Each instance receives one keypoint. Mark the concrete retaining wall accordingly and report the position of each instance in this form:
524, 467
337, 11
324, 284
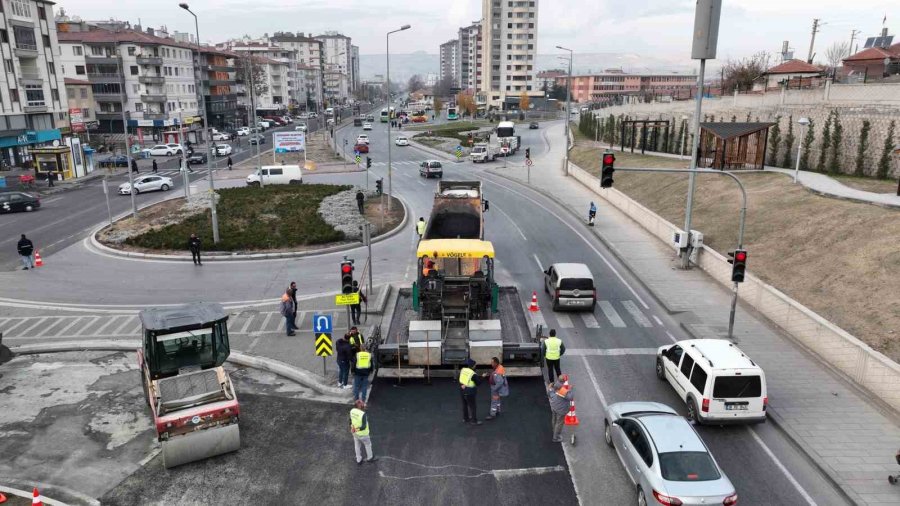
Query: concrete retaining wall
868, 368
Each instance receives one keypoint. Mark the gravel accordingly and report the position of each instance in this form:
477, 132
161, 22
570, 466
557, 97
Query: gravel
341, 212
121, 231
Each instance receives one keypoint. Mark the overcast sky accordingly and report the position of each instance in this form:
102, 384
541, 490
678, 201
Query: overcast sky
658, 27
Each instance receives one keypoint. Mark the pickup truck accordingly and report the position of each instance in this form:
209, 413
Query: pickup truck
483, 152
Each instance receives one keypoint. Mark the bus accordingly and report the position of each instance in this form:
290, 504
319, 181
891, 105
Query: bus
452, 114
385, 116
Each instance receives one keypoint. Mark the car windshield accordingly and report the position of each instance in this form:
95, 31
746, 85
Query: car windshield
688, 466
737, 386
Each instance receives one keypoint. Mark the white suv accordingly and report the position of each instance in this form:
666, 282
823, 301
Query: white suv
363, 139
715, 379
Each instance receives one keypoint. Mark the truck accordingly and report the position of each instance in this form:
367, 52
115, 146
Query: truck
455, 309
191, 397
483, 152
505, 139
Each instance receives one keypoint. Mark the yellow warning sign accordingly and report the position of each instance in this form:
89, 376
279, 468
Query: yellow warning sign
346, 299
323, 345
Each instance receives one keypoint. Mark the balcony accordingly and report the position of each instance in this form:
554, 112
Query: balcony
101, 59
30, 75
107, 97
23, 50
218, 82
151, 79
149, 60
36, 107
221, 68
153, 97
154, 115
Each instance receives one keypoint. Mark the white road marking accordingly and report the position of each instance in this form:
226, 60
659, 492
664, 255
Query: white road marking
247, 323
589, 321
658, 321
266, 322
610, 312
609, 352
40, 321
301, 316
56, 319
564, 321
594, 382
10, 329
121, 327
538, 260
636, 313
457, 471
513, 224
787, 474
107, 324
86, 327
75, 319
671, 337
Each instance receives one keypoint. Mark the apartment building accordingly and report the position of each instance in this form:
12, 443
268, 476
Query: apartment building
607, 86
509, 42
470, 54
339, 66
32, 94
450, 61
307, 67
80, 99
354, 68
277, 64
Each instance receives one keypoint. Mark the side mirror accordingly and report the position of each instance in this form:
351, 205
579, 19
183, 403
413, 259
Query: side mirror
547, 272
616, 423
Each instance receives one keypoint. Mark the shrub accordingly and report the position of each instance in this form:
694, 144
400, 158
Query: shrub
884, 163
808, 140
837, 132
826, 143
860, 169
787, 160
774, 141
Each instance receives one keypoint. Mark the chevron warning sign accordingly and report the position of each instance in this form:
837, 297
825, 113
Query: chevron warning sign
324, 347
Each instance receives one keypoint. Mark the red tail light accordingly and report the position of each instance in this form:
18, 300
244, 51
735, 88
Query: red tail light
664, 499
594, 294
730, 500
557, 293
705, 407
765, 403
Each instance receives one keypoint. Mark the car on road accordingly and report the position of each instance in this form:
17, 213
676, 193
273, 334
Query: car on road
419, 119
165, 150
264, 125
357, 122
664, 456
243, 131
313, 115
571, 286
276, 174
300, 128
533, 125
257, 139
362, 139
114, 161
401, 141
716, 380
197, 159
223, 150
146, 184
367, 126
431, 168
12, 202
220, 136
361, 148
370, 119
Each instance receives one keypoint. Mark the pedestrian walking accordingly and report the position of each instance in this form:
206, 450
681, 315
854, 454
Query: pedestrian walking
359, 427
356, 309
194, 245
561, 398
468, 385
26, 252
361, 370
293, 291
134, 167
155, 167
50, 177
344, 357
592, 213
287, 311
360, 198
420, 227
229, 162
553, 348
499, 386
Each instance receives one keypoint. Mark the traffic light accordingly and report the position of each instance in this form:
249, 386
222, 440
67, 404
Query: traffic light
347, 276
368, 163
528, 153
739, 264
379, 185
606, 177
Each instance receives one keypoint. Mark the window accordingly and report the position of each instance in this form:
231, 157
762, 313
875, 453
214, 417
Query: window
134, 70
4, 35
139, 107
737, 386
20, 8
276, 172
698, 379
79, 69
41, 12
96, 50
54, 94
24, 37
686, 366
70, 93
131, 50
84, 93
136, 88
84, 110
52, 67
8, 64
77, 50
34, 95
13, 95
46, 40
687, 466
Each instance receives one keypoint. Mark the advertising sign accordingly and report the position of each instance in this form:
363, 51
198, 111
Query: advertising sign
76, 119
289, 142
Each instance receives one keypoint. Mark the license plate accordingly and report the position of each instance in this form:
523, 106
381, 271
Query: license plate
736, 407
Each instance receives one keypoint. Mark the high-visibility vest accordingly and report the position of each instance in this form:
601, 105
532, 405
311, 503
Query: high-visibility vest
420, 227
563, 392
357, 340
363, 360
553, 345
465, 377
356, 420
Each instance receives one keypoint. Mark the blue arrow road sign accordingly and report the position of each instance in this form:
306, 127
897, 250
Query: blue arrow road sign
356, 153
321, 323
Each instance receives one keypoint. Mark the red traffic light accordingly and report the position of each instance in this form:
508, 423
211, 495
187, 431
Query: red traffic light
740, 256
608, 159
346, 268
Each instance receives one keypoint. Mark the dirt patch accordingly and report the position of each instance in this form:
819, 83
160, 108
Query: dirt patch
392, 216
589, 157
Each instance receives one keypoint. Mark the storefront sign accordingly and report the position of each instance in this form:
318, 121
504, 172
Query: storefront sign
76, 119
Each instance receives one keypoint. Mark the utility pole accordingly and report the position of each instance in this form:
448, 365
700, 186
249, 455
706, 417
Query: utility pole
853, 34
812, 42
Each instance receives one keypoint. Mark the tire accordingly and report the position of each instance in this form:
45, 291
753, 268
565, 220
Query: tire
29, 208
660, 370
607, 434
293, 181
164, 187
136, 191
641, 498
254, 184
693, 416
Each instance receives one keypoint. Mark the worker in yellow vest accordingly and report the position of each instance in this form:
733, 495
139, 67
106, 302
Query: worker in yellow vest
359, 427
361, 371
553, 348
420, 227
468, 385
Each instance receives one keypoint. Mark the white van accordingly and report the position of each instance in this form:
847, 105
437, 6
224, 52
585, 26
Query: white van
571, 286
719, 384
276, 174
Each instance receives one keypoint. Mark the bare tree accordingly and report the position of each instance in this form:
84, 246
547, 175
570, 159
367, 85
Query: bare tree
249, 68
415, 83
443, 87
740, 74
836, 53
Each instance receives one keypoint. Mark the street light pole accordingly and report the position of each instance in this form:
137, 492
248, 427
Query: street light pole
209, 154
387, 39
568, 103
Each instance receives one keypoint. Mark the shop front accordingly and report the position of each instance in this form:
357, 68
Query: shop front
16, 145
54, 162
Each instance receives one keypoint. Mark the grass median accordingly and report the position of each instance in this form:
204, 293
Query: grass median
451, 130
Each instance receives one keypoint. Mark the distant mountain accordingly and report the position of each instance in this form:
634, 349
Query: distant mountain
404, 66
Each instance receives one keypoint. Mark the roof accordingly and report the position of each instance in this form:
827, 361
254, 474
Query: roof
672, 433
876, 53
573, 270
727, 130
722, 354
101, 36
793, 67
455, 248
196, 314
79, 82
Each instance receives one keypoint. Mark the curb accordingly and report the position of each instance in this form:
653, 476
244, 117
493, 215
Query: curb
290, 372
381, 302
432, 151
237, 257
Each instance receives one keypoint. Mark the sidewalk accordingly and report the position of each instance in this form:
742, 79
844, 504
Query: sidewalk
843, 432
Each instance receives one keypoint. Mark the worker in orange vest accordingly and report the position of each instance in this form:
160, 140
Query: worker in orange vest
560, 397
429, 268
499, 386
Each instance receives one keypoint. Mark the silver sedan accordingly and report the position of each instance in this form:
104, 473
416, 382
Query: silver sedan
146, 184
665, 457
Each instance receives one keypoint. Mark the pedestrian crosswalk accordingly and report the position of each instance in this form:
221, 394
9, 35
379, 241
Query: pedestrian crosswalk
608, 316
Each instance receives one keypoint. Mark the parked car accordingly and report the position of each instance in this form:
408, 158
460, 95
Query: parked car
115, 161
717, 382
220, 136
419, 119
571, 286
401, 141
431, 168
361, 148
223, 149
147, 183
274, 121
264, 125
197, 159
243, 131
313, 115
287, 119
664, 456
533, 125
12, 202
165, 150
300, 128
257, 139
276, 174
367, 126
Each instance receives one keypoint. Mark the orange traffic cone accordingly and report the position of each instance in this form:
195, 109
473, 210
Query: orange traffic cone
571, 417
2, 498
36, 500
38, 261
565, 378
533, 306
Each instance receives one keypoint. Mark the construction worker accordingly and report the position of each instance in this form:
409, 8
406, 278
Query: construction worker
420, 227
356, 309
429, 268
553, 348
468, 385
363, 367
359, 427
499, 386
357, 341
561, 397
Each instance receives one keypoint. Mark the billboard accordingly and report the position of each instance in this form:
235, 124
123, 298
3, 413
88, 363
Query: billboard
76, 119
289, 142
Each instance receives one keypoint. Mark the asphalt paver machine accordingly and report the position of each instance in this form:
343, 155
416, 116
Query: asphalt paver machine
193, 402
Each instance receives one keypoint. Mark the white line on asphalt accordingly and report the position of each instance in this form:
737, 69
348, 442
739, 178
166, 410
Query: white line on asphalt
585, 239
609, 352
40, 321
75, 320
636, 314
136, 330
610, 312
301, 316
121, 327
513, 224
590, 321
787, 474
107, 324
2, 321
10, 329
88, 325
658, 321
594, 381
421, 182
564, 321
266, 322
458, 471
47, 328
538, 260
671, 337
